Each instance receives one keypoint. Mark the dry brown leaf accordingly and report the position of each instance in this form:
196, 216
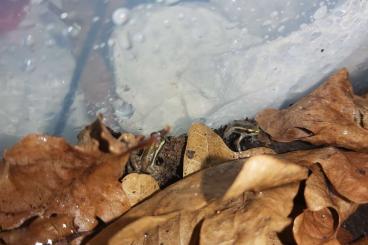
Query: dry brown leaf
315, 228
318, 196
138, 187
263, 172
258, 222
347, 171
344, 236
205, 148
180, 208
62, 188
361, 241
331, 115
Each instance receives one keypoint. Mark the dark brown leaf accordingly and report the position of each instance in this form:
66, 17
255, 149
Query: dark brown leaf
347, 171
331, 115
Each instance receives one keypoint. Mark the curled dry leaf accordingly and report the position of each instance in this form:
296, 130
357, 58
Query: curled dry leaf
205, 148
177, 214
138, 187
318, 196
347, 171
315, 227
331, 115
61, 189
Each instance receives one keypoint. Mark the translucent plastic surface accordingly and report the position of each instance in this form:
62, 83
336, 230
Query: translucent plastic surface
146, 64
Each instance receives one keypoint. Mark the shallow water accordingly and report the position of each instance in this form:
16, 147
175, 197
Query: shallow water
146, 64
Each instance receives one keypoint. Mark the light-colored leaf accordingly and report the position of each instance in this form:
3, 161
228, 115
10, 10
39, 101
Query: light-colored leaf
186, 205
205, 148
138, 187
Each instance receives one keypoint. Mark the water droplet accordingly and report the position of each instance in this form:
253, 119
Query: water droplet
120, 16
111, 42
274, 14
73, 31
28, 65
29, 40
95, 19
64, 15
281, 28
138, 37
166, 23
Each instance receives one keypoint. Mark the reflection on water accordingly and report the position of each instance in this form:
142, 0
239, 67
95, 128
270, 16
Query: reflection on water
144, 64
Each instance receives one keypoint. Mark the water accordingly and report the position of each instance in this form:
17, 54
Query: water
146, 64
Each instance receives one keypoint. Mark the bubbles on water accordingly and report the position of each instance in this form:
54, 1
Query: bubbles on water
120, 16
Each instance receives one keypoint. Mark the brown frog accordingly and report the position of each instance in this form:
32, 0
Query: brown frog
242, 128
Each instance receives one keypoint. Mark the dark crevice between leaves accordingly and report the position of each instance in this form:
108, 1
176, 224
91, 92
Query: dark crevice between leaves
195, 237
307, 131
357, 223
286, 235
329, 185
100, 226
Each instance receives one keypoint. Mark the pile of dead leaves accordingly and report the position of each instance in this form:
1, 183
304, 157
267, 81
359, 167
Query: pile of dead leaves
52, 192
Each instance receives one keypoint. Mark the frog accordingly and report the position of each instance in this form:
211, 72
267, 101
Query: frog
243, 128
144, 161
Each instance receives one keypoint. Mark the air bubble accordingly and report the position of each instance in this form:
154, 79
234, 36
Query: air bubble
120, 16
64, 15
28, 65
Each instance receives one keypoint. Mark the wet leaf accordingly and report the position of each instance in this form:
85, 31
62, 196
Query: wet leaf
205, 148
138, 187
61, 189
347, 171
177, 214
330, 115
